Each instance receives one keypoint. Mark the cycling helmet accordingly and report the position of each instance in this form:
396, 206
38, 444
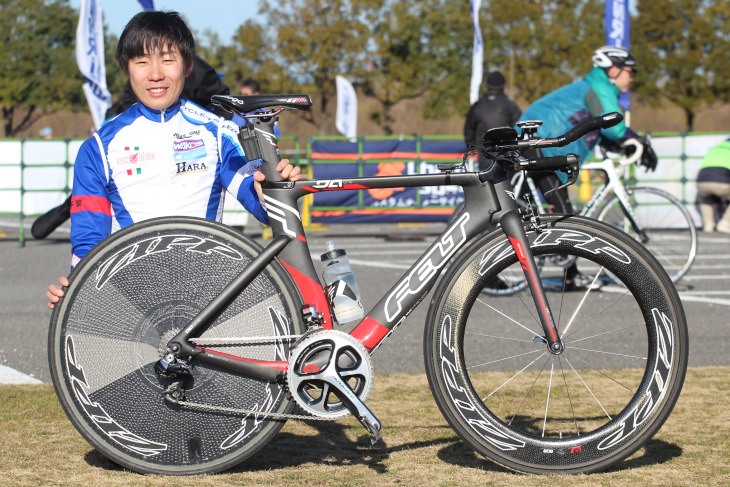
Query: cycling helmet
607, 56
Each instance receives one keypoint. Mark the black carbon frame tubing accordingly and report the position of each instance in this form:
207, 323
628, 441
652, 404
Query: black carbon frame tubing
227, 294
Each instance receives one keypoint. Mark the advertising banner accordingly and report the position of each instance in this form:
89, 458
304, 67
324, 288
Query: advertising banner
345, 159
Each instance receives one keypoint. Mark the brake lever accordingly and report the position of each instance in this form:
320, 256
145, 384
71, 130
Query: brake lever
573, 171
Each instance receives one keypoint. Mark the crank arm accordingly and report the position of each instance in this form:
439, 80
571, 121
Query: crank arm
353, 403
357, 408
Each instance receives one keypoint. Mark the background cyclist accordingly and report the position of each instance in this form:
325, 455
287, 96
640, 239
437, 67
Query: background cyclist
593, 95
164, 155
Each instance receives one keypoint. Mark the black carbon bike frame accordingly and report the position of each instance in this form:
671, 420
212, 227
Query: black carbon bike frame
486, 205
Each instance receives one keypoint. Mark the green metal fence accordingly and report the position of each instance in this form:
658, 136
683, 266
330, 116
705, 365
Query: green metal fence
22, 167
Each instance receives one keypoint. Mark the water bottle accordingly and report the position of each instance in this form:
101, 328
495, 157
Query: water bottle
340, 286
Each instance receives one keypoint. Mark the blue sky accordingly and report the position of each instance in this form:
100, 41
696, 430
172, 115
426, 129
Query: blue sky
223, 16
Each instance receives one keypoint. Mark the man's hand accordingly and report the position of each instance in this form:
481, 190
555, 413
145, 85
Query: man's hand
55, 293
286, 171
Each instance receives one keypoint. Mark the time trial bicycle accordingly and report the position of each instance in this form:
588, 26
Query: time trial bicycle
182, 346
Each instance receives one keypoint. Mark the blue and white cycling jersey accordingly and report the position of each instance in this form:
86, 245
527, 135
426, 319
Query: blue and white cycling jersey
149, 163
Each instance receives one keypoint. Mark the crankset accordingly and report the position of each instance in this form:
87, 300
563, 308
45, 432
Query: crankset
330, 376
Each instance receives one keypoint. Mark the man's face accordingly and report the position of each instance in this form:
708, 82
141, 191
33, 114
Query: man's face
623, 77
246, 90
158, 77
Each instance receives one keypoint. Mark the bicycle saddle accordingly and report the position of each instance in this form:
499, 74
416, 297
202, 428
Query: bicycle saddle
243, 104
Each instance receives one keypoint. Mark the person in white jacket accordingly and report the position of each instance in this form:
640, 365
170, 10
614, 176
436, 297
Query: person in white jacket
164, 155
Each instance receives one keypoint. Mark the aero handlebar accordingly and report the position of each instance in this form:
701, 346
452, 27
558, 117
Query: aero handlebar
595, 123
507, 139
549, 163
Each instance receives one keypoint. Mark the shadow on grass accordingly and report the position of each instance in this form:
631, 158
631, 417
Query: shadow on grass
332, 446
655, 452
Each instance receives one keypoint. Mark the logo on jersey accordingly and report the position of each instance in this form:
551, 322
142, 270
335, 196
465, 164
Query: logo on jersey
186, 150
132, 155
186, 136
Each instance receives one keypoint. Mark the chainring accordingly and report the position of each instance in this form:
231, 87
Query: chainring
321, 363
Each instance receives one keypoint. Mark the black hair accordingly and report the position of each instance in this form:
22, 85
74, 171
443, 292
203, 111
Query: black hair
154, 31
251, 83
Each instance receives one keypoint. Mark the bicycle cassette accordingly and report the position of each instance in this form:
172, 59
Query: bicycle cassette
321, 366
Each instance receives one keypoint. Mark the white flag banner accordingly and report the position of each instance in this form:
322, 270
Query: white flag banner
477, 57
346, 119
90, 59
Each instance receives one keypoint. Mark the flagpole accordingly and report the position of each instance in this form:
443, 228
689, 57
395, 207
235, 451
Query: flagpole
477, 60
90, 59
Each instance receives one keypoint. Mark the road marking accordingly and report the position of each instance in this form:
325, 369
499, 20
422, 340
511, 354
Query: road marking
700, 299
9, 375
691, 277
27, 226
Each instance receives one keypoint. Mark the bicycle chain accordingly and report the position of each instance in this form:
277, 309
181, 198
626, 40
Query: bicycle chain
173, 389
244, 412
240, 341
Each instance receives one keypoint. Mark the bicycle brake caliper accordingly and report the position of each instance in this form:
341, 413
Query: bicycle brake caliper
534, 217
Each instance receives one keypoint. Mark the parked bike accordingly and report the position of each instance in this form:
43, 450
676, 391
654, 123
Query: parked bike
181, 346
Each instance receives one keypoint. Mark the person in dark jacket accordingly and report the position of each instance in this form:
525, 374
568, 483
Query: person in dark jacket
494, 109
199, 87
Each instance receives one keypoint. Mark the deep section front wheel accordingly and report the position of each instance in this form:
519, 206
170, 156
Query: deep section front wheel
581, 409
127, 298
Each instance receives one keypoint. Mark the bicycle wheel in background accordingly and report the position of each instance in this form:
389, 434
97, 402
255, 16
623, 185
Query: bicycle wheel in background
127, 298
671, 232
579, 411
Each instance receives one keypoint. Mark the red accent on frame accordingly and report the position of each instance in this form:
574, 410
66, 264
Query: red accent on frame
312, 293
97, 204
369, 332
522, 257
283, 366
350, 186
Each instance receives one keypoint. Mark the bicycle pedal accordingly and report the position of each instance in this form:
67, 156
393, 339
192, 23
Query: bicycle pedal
373, 429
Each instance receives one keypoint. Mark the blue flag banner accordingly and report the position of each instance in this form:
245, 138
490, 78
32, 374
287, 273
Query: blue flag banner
345, 159
147, 4
90, 59
477, 57
616, 24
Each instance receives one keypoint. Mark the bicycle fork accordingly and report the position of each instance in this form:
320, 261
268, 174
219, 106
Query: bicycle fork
513, 228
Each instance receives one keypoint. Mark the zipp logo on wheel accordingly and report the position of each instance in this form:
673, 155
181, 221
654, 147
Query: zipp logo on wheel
155, 245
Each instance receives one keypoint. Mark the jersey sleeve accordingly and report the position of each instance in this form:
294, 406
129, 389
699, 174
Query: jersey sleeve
600, 100
90, 207
237, 173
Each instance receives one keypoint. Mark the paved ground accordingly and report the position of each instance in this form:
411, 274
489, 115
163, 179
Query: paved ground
380, 254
